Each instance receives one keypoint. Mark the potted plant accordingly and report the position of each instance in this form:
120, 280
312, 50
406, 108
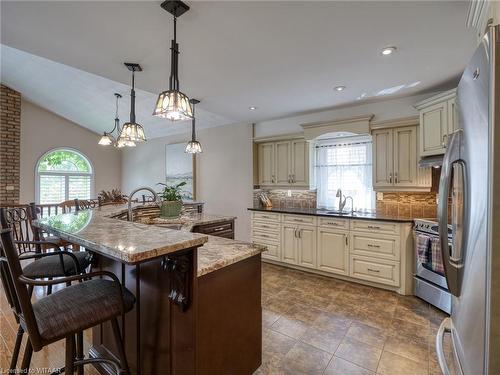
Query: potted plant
171, 205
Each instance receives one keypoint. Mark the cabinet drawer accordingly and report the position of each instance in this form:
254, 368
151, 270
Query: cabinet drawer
265, 226
375, 226
266, 216
379, 246
215, 228
334, 223
263, 236
375, 270
299, 219
273, 250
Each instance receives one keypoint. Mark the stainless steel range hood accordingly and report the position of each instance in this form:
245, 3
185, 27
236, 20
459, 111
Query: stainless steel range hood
431, 161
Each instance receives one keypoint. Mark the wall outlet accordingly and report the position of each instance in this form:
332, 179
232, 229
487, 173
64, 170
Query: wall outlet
380, 196
289, 193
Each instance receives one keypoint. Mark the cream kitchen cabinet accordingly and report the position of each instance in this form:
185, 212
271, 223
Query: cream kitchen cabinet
267, 164
299, 245
437, 120
306, 244
395, 160
289, 243
333, 250
284, 163
374, 252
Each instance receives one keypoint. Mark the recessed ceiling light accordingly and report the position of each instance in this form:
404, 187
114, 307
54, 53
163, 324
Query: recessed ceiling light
252, 108
388, 50
339, 88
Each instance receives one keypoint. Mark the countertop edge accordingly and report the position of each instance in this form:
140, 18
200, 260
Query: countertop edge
319, 214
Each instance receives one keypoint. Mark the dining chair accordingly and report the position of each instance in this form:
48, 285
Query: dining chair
67, 312
68, 206
86, 204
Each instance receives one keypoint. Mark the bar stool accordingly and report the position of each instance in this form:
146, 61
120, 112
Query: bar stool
57, 263
67, 312
27, 240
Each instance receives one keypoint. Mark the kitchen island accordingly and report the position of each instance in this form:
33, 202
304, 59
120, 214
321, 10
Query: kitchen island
198, 308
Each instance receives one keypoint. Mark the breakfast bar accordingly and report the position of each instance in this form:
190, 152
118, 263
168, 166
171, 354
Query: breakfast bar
198, 297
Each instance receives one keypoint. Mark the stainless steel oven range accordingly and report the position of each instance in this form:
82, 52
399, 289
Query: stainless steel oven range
430, 280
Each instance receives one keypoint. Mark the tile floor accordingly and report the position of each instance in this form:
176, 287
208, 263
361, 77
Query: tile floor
315, 325
319, 325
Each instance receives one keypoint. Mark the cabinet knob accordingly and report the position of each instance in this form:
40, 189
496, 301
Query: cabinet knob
372, 270
390, 178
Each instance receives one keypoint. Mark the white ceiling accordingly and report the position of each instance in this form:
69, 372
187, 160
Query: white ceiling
283, 57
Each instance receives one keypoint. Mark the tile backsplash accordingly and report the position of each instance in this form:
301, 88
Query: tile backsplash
412, 205
282, 198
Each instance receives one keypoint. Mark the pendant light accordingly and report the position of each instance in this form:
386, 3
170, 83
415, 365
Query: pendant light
193, 147
108, 138
173, 104
132, 131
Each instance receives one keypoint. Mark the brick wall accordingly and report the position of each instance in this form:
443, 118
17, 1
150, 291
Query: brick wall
10, 144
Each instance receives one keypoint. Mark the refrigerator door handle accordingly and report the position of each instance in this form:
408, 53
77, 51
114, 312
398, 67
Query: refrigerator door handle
445, 327
451, 262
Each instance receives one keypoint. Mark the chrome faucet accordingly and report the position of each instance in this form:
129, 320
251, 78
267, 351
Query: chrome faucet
343, 200
131, 195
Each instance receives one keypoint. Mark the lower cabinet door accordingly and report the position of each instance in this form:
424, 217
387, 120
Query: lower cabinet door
307, 246
273, 251
333, 251
289, 244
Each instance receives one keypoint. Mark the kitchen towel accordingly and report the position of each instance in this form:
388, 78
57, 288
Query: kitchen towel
422, 248
437, 257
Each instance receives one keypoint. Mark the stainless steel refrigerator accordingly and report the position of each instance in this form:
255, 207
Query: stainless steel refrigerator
469, 197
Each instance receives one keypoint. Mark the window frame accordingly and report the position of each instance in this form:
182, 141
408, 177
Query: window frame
65, 174
344, 139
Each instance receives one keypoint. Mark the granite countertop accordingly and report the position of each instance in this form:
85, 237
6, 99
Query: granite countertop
187, 221
220, 252
326, 213
123, 240
135, 242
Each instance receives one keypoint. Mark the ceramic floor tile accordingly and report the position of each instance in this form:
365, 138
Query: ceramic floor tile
359, 353
339, 366
332, 322
323, 339
408, 346
269, 317
413, 315
405, 328
307, 359
275, 343
367, 334
290, 327
391, 364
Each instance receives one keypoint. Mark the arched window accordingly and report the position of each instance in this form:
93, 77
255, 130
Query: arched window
63, 174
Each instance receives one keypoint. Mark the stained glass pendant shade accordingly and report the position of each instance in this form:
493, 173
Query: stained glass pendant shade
172, 103
193, 146
132, 131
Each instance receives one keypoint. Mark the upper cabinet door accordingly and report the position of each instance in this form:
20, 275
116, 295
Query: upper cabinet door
300, 163
433, 129
267, 174
405, 157
452, 116
283, 163
382, 158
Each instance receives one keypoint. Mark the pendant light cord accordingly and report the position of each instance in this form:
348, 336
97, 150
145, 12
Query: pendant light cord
132, 99
174, 48
193, 135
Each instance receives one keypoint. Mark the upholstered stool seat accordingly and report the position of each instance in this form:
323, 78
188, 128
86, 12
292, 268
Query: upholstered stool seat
52, 266
80, 306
